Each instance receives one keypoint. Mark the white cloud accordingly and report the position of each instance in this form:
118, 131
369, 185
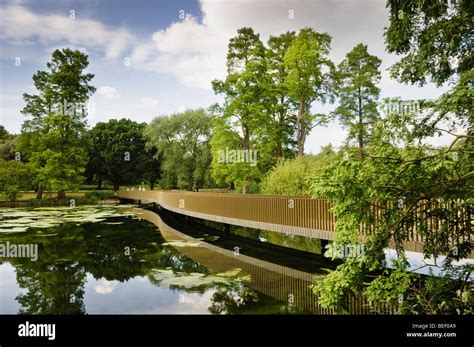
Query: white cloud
108, 92
105, 287
191, 52
195, 53
21, 25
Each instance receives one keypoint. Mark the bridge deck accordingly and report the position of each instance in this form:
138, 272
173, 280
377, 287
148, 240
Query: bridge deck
295, 215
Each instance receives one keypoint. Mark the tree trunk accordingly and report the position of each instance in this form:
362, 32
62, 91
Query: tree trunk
116, 187
360, 132
39, 193
302, 126
232, 185
99, 185
61, 195
152, 184
246, 145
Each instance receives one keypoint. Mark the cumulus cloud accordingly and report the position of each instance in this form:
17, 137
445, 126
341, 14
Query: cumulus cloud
108, 92
105, 287
21, 25
195, 52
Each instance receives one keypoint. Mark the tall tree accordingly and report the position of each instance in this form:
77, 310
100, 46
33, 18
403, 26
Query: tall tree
310, 78
182, 141
409, 185
117, 152
279, 135
358, 75
54, 135
244, 89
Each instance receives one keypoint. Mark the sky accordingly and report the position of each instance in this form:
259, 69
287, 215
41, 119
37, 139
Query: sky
152, 58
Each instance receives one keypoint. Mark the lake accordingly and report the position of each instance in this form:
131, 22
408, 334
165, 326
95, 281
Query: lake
125, 260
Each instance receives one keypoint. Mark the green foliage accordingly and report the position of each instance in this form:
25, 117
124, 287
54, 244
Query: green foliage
61, 155
292, 176
241, 174
117, 152
310, 78
357, 77
182, 141
99, 195
278, 136
405, 185
54, 134
243, 113
3, 132
391, 287
434, 37
14, 177
8, 147
334, 288
430, 183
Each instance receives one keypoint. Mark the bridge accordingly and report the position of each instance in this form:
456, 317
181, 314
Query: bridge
280, 282
295, 215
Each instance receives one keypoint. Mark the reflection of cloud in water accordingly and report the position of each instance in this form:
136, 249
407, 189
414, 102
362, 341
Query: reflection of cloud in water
105, 287
421, 265
185, 303
9, 289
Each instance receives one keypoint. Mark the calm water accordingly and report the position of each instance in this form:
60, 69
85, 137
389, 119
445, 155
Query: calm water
105, 259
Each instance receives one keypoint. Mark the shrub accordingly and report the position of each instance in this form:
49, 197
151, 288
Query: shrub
291, 176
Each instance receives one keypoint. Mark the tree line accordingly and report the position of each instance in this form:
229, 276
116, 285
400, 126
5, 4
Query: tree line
268, 93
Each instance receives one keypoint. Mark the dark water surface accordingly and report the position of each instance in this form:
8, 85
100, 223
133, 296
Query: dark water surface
107, 259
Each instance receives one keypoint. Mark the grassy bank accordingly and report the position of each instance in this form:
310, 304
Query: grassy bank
28, 199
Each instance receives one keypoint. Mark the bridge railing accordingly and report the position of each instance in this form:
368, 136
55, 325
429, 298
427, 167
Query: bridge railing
302, 212
289, 214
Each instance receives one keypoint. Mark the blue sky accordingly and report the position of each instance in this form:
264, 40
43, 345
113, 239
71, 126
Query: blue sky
152, 58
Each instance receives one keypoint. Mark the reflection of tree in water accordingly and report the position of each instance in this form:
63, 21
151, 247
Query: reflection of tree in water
56, 289
55, 282
238, 299
232, 299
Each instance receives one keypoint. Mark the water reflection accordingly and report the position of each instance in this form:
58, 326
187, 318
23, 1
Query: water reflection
132, 262
122, 265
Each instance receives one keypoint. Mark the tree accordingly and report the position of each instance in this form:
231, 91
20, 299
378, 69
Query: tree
243, 112
279, 135
408, 185
182, 141
54, 135
434, 37
118, 152
152, 165
14, 177
357, 76
293, 176
310, 78
8, 147
3, 132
